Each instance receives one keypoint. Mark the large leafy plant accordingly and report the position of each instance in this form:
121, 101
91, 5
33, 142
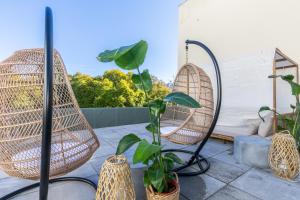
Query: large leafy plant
288, 122
158, 173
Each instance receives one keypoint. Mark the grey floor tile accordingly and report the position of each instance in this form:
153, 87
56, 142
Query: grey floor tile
97, 163
266, 186
138, 177
84, 171
64, 191
231, 193
183, 197
11, 184
105, 149
3, 175
211, 148
227, 157
223, 171
94, 178
245, 183
171, 145
199, 187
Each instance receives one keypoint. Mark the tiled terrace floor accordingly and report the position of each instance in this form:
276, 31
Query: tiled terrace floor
225, 180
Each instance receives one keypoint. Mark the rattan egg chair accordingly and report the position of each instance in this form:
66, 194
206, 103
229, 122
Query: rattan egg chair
188, 125
42, 130
21, 108
193, 126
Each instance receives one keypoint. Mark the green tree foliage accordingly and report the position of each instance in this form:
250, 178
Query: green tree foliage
159, 89
113, 89
86, 89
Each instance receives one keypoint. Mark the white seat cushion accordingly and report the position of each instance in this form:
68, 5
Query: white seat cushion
167, 129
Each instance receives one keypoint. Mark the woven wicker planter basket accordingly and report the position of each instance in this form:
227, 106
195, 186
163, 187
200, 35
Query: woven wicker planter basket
115, 181
174, 195
284, 156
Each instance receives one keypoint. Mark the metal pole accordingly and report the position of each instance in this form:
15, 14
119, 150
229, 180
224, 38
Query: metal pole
47, 110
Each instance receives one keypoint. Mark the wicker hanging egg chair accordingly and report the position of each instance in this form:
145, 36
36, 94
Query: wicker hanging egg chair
21, 105
185, 125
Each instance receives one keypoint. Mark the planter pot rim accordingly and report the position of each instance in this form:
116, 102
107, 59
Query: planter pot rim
176, 184
116, 160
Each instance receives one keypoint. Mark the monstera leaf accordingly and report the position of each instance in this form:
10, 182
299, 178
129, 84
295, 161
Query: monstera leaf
127, 57
183, 99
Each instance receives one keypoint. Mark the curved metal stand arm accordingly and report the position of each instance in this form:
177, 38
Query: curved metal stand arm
196, 158
219, 93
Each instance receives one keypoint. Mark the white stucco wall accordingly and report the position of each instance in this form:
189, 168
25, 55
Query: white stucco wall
239, 27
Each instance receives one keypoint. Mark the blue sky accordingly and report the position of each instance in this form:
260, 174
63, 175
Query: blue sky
84, 28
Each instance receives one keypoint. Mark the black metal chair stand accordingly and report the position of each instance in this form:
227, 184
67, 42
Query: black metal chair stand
196, 158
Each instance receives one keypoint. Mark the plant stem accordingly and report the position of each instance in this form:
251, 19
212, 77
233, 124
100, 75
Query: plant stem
296, 121
158, 133
147, 100
160, 158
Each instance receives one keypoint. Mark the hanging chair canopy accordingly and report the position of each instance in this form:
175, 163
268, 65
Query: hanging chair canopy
21, 105
188, 125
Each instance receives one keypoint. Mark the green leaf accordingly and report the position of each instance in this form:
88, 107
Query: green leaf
143, 82
273, 76
288, 77
295, 88
264, 108
183, 99
157, 107
126, 142
152, 127
156, 176
127, 57
292, 106
133, 56
174, 157
146, 179
168, 163
107, 56
144, 151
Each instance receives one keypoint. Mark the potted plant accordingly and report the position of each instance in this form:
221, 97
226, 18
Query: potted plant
291, 122
159, 180
284, 151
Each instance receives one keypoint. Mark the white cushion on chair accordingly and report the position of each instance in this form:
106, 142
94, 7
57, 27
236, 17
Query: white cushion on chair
167, 129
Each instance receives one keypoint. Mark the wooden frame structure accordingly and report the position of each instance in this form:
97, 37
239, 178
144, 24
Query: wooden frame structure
281, 61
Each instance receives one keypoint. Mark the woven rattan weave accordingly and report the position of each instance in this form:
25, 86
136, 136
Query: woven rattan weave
284, 156
21, 111
186, 125
115, 181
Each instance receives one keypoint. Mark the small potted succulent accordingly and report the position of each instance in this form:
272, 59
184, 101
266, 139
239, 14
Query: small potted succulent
284, 150
159, 180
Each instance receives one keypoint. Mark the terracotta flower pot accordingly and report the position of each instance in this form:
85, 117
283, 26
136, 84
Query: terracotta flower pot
174, 195
283, 156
